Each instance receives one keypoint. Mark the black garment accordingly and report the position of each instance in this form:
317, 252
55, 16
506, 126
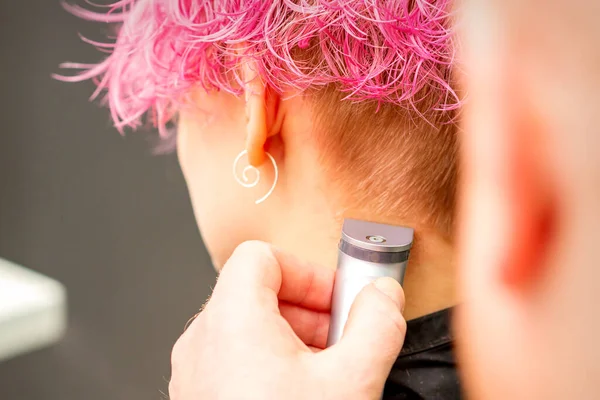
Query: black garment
426, 367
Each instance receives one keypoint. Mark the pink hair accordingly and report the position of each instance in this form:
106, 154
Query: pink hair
383, 50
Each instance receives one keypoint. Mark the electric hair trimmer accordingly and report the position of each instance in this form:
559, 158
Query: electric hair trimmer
367, 251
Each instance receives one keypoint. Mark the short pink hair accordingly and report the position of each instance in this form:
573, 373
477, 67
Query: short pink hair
390, 51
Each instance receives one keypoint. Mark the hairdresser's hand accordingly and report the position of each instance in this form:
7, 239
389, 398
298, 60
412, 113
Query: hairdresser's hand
260, 335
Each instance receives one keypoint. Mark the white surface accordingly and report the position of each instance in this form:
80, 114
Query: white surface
32, 310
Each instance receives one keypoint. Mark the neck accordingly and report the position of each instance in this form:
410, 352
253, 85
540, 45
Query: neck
429, 283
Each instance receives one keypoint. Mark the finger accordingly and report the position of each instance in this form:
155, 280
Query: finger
256, 272
375, 330
309, 325
305, 284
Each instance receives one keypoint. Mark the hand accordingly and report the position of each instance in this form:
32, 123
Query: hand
262, 333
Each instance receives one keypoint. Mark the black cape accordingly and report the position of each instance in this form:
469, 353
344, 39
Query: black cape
426, 367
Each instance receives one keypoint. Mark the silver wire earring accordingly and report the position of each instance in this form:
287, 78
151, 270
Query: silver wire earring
246, 182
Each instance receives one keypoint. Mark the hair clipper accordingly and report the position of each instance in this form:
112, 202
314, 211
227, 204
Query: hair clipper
367, 251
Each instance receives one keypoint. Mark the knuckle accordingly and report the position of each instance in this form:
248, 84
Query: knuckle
399, 322
396, 323
393, 290
401, 298
173, 390
178, 352
388, 307
251, 247
249, 252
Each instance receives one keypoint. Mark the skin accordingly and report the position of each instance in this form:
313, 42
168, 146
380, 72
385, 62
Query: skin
282, 356
528, 327
279, 358
303, 216
528, 228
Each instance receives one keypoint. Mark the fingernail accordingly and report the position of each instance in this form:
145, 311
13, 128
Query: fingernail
391, 288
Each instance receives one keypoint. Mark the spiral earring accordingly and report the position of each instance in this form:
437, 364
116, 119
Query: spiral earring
245, 180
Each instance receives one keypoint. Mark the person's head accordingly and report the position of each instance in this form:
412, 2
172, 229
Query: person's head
353, 99
530, 219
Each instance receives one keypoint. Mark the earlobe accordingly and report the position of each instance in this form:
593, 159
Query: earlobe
256, 131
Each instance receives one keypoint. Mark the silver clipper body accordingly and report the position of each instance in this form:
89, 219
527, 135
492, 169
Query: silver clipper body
367, 251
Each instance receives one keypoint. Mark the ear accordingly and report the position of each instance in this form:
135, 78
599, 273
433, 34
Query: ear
533, 198
263, 119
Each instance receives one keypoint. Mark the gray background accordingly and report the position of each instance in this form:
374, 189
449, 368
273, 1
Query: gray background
94, 210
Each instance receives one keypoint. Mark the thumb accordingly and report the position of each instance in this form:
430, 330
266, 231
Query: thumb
375, 330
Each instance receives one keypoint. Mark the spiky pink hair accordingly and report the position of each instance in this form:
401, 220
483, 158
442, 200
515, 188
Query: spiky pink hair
384, 50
